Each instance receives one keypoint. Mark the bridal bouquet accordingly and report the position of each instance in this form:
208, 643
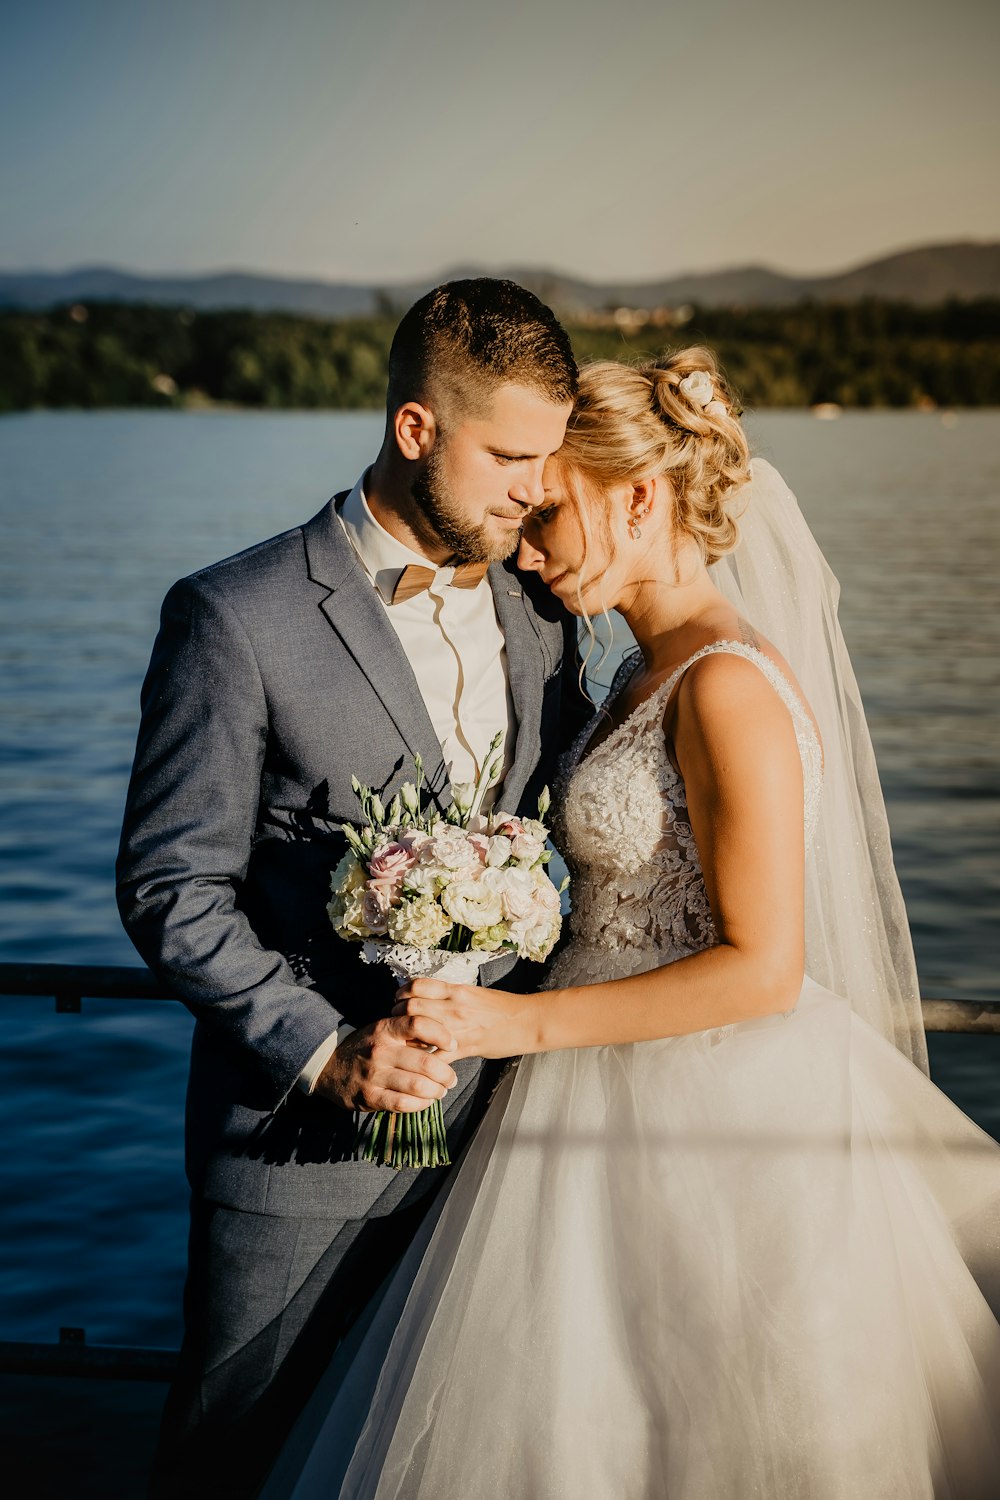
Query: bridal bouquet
438, 894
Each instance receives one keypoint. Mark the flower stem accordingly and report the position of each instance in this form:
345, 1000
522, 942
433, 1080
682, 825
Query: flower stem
408, 1140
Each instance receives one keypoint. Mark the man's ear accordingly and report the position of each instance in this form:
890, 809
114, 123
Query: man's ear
415, 428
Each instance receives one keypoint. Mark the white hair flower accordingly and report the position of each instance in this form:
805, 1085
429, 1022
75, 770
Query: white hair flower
698, 387
716, 409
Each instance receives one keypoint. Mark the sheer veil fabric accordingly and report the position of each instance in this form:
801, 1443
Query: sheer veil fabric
752, 1261
857, 936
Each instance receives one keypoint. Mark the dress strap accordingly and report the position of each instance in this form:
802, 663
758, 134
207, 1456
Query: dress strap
806, 736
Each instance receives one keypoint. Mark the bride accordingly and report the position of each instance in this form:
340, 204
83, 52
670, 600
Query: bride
718, 1235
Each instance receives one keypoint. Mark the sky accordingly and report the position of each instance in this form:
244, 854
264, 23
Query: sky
382, 140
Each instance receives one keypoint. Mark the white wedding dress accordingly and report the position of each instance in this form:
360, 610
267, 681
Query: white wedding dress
749, 1262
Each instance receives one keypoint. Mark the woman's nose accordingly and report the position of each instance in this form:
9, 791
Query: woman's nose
528, 557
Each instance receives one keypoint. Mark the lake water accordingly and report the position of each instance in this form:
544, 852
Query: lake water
100, 512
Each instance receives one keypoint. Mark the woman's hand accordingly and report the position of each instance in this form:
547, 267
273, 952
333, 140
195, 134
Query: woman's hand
483, 1022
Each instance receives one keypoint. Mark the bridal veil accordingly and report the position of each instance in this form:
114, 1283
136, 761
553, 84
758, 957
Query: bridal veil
857, 937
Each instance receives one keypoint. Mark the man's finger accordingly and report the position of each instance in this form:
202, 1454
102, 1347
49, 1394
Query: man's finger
400, 1104
415, 1063
419, 1085
424, 1028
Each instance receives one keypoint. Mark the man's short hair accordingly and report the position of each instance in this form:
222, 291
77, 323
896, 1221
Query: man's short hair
465, 338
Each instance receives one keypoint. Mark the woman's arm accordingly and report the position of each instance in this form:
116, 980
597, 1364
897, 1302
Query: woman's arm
735, 747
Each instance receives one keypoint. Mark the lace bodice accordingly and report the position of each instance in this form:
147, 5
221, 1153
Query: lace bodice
637, 890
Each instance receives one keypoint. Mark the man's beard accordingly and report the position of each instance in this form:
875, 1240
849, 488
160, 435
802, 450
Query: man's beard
439, 523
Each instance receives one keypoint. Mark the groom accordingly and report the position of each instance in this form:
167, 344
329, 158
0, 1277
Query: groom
392, 624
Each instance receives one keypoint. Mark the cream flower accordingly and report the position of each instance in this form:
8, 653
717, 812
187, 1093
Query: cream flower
716, 409
535, 940
349, 875
546, 897
698, 387
517, 892
481, 844
490, 939
529, 843
346, 912
450, 847
474, 903
499, 849
420, 923
425, 880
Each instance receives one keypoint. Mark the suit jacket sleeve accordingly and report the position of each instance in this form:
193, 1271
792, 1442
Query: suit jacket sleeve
188, 831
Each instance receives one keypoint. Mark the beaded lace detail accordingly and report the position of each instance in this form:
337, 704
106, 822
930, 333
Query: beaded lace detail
637, 889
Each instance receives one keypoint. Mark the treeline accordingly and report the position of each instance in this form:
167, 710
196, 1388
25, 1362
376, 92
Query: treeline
867, 354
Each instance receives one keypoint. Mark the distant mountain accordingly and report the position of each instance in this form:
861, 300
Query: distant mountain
924, 276
326, 299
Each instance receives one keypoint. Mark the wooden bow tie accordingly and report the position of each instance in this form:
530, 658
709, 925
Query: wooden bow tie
414, 579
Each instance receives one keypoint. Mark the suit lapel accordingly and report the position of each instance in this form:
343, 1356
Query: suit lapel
356, 613
526, 670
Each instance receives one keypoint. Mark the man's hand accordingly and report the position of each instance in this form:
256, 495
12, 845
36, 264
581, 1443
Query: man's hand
389, 1066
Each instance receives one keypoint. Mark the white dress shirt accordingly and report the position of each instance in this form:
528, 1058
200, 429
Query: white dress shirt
455, 646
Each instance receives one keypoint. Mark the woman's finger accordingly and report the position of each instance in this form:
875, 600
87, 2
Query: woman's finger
423, 989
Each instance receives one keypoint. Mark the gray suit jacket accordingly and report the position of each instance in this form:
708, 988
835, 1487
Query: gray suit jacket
274, 678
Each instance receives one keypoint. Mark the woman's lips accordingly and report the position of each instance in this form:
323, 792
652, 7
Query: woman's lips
551, 582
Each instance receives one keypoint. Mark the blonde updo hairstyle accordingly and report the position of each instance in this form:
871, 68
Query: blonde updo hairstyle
633, 422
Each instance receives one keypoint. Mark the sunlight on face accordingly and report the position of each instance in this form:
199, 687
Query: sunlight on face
487, 469
569, 540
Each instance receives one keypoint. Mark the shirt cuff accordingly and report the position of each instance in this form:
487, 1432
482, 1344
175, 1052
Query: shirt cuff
314, 1067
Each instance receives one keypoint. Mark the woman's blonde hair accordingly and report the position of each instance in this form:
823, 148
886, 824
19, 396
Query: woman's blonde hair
675, 416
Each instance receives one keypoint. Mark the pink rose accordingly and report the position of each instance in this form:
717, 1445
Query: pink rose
507, 824
389, 864
375, 907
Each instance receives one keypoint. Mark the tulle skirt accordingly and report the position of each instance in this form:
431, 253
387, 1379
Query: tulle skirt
749, 1262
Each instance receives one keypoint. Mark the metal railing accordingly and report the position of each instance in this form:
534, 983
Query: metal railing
70, 984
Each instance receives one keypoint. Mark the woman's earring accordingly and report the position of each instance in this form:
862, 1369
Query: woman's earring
634, 529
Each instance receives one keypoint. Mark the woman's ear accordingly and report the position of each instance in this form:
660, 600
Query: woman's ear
643, 499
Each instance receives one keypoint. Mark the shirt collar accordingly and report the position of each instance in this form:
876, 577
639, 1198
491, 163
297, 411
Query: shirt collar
382, 555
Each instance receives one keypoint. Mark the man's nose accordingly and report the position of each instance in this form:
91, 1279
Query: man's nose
529, 489
528, 557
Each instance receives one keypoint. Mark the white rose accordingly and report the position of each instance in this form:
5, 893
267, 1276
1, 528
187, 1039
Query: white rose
698, 387
546, 897
498, 852
535, 940
526, 847
420, 923
474, 903
716, 409
517, 893
450, 848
